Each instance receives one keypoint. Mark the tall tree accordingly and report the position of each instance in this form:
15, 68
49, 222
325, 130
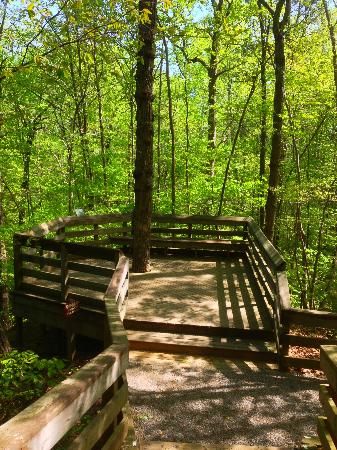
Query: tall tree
280, 18
143, 173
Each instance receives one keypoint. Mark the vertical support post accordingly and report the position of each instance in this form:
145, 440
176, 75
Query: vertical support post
70, 335
17, 261
190, 231
95, 234
60, 234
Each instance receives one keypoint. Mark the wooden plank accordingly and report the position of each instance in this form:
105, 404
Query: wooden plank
186, 243
87, 284
41, 260
227, 353
41, 291
42, 275
91, 251
260, 266
269, 251
307, 341
86, 301
324, 434
201, 219
198, 232
117, 280
198, 330
91, 268
98, 425
283, 290
301, 363
310, 318
256, 273
97, 232
328, 356
116, 440
45, 422
329, 406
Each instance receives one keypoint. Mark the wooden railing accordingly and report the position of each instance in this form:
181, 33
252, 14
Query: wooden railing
239, 235
101, 384
327, 424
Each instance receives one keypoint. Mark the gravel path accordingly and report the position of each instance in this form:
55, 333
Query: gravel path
190, 399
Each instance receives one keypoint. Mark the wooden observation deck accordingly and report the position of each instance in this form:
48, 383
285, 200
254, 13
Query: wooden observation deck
218, 287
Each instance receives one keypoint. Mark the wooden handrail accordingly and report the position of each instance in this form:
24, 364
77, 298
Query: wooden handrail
45, 422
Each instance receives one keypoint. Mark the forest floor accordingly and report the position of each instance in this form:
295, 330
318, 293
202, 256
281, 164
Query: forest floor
210, 401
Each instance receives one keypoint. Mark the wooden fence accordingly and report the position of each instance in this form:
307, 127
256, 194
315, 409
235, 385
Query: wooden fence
100, 384
327, 424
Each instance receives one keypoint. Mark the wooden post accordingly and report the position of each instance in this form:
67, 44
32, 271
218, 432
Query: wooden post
60, 234
17, 262
95, 229
70, 335
190, 231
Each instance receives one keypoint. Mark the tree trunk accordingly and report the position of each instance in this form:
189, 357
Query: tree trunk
4, 299
264, 32
331, 29
143, 173
278, 105
173, 143
100, 119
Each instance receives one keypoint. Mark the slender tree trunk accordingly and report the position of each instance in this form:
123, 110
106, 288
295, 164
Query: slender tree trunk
278, 106
187, 156
173, 143
131, 145
159, 118
331, 29
143, 173
100, 118
4, 298
264, 32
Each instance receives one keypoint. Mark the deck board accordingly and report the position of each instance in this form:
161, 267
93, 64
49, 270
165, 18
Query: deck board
210, 292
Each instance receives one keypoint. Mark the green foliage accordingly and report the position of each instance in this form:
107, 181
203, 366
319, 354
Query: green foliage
25, 377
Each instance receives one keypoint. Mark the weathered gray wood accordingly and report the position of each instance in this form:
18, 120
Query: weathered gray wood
97, 426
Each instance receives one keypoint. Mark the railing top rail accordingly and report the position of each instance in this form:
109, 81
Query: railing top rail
268, 248
69, 221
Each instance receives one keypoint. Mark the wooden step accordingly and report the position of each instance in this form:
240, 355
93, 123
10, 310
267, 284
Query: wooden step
199, 330
202, 346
